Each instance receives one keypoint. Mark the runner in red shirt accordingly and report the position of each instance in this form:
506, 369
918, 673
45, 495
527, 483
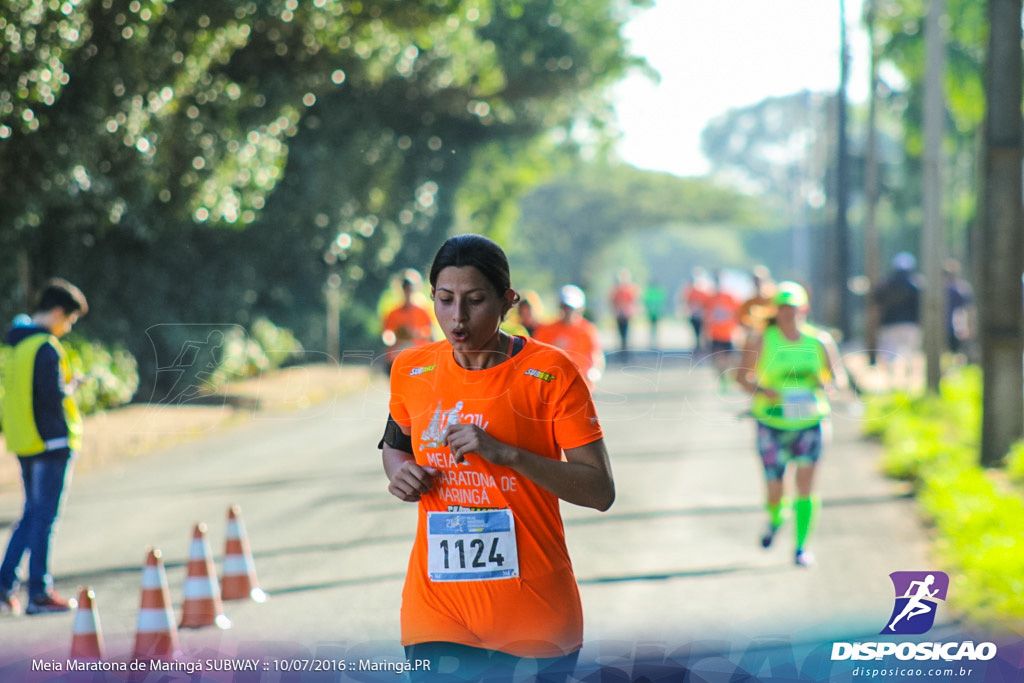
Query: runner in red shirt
694, 298
405, 325
574, 334
721, 318
625, 298
487, 432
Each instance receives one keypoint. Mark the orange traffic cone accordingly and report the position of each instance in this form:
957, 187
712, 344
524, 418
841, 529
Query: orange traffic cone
155, 637
202, 605
86, 639
239, 580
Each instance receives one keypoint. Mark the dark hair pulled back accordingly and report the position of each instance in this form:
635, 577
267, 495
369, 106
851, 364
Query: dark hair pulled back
478, 251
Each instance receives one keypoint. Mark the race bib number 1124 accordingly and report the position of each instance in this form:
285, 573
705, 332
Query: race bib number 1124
471, 546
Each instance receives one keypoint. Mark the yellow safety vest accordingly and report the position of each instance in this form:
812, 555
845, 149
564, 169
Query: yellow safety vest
19, 420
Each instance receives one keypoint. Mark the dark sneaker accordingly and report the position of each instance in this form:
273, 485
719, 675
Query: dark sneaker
9, 604
49, 603
769, 535
804, 558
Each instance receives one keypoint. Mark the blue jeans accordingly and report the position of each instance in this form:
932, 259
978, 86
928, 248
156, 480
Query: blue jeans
44, 476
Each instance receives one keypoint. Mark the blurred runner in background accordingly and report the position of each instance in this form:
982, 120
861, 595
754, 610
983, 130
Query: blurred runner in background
721, 317
787, 370
693, 299
760, 307
899, 333
408, 324
654, 298
625, 299
575, 335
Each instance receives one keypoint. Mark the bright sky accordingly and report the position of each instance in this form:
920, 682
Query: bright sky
716, 55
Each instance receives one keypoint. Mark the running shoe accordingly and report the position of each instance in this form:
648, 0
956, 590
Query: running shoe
9, 604
769, 535
49, 603
804, 558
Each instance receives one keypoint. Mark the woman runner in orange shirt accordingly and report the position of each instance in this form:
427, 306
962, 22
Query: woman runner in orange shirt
487, 432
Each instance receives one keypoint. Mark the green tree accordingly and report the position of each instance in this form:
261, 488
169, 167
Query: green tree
772, 147
327, 137
900, 32
566, 222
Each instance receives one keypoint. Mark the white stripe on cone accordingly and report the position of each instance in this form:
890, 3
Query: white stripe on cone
151, 578
154, 621
199, 587
84, 622
236, 565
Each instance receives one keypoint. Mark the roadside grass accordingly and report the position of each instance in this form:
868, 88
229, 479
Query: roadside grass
977, 514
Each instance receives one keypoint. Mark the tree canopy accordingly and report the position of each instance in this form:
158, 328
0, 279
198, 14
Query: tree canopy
567, 222
900, 27
221, 160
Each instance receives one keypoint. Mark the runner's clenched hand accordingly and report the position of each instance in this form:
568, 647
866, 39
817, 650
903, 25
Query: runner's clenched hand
464, 439
410, 481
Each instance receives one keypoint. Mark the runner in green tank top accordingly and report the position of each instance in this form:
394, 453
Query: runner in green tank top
788, 370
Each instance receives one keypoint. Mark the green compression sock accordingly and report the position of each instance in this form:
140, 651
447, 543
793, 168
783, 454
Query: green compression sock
805, 510
776, 513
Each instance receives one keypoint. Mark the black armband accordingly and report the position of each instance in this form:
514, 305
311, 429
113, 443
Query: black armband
395, 437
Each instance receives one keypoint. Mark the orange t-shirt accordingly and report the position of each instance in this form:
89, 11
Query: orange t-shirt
624, 299
579, 339
696, 299
411, 326
468, 581
721, 316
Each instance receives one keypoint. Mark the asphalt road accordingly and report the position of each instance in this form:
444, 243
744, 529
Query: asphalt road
675, 564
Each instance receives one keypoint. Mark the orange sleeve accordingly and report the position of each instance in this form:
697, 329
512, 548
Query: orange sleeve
399, 411
411, 375
575, 416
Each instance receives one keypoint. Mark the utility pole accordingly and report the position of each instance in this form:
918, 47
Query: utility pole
841, 243
933, 241
872, 258
1002, 238
332, 299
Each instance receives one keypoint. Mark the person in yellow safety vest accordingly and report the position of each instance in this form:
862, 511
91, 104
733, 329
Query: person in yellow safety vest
43, 427
787, 370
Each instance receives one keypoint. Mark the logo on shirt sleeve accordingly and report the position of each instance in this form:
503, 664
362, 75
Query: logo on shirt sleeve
547, 377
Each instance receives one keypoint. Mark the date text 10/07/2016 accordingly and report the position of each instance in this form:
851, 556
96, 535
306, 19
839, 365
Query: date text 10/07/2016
197, 665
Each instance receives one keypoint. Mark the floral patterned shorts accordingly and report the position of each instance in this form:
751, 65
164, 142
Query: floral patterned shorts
779, 447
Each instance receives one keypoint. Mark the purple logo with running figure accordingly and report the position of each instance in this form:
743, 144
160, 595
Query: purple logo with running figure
917, 596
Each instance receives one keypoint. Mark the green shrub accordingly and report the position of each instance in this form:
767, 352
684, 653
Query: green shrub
929, 431
279, 344
247, 354
5, 351
240, 357
106, 376
879, 409
1015, 463
934, 442
979, 526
